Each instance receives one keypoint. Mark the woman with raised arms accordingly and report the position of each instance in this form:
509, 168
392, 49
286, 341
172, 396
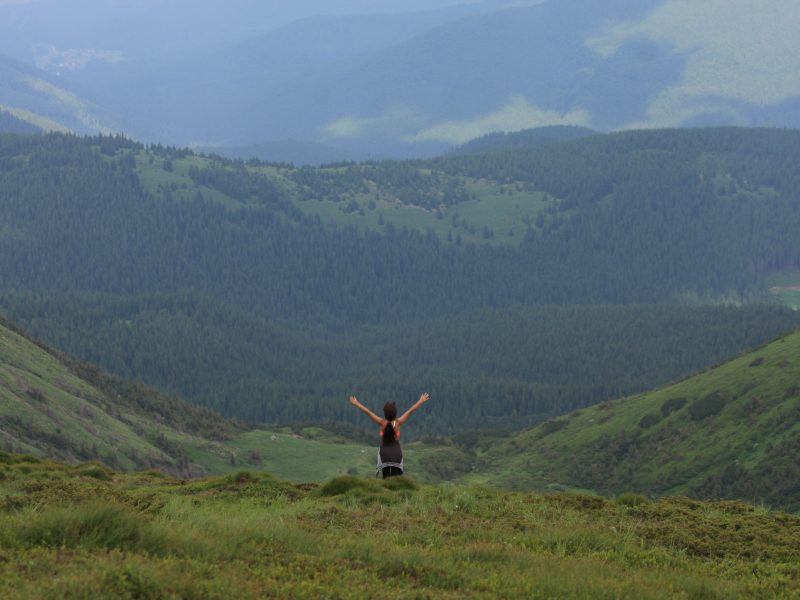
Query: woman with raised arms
390, 455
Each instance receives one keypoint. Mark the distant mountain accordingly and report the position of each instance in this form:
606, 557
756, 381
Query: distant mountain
525, 139
11, 124
410, 84
284, 151
416, 85
83, 34
729, 432
47, 103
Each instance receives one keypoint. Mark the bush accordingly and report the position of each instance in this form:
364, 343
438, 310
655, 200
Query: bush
707, 406
346, 483
648, 421
671, 405
400, 484
552, 426
629, 499
96, 472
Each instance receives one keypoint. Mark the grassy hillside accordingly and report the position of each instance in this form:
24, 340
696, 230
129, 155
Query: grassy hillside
84, 531
732, 431
53, 406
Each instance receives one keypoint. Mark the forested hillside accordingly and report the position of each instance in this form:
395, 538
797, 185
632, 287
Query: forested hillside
271, 292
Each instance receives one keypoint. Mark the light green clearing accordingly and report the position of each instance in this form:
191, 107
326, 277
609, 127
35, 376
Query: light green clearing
785, 287
505, 209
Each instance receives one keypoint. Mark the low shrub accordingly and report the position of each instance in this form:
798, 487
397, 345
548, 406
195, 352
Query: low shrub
398, 484
96, 472
671, 405
630, 499
707, 406
648, 421
347, 483
552, 426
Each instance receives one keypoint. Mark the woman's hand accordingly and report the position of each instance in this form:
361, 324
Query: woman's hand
354, 401
424, 398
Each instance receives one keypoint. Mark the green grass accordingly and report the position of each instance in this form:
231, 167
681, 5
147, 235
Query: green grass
505, 209
250, 535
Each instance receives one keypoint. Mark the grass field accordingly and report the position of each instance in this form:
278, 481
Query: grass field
84, 531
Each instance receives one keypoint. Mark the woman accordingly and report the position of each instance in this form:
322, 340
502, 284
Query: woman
390, 455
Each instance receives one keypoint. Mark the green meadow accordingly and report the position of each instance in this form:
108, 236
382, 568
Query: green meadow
84, 531
496, 213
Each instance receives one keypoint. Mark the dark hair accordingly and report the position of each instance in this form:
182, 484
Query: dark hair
390, 414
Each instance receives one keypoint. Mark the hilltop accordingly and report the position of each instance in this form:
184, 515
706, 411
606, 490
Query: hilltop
86, 531
732, 431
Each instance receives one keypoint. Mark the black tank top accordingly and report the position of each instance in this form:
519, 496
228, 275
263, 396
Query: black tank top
391, 452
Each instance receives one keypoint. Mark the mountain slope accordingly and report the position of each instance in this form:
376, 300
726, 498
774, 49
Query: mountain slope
46, 102
732, 431
11, 124
55, 407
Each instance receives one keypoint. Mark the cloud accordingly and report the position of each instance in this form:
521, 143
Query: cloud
516, 115
395, 120
744, 50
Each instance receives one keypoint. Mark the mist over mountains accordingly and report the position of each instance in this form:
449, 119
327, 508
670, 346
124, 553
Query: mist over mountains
357, 80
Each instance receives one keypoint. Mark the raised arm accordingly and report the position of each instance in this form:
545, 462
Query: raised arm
378, 421
422, 400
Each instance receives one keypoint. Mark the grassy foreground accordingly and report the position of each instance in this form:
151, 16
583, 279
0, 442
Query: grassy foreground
83, 531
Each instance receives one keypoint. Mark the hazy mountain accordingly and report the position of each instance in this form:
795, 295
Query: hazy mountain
11, 124
525, 139
285, 151
417, 83
47, 103
85, 32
